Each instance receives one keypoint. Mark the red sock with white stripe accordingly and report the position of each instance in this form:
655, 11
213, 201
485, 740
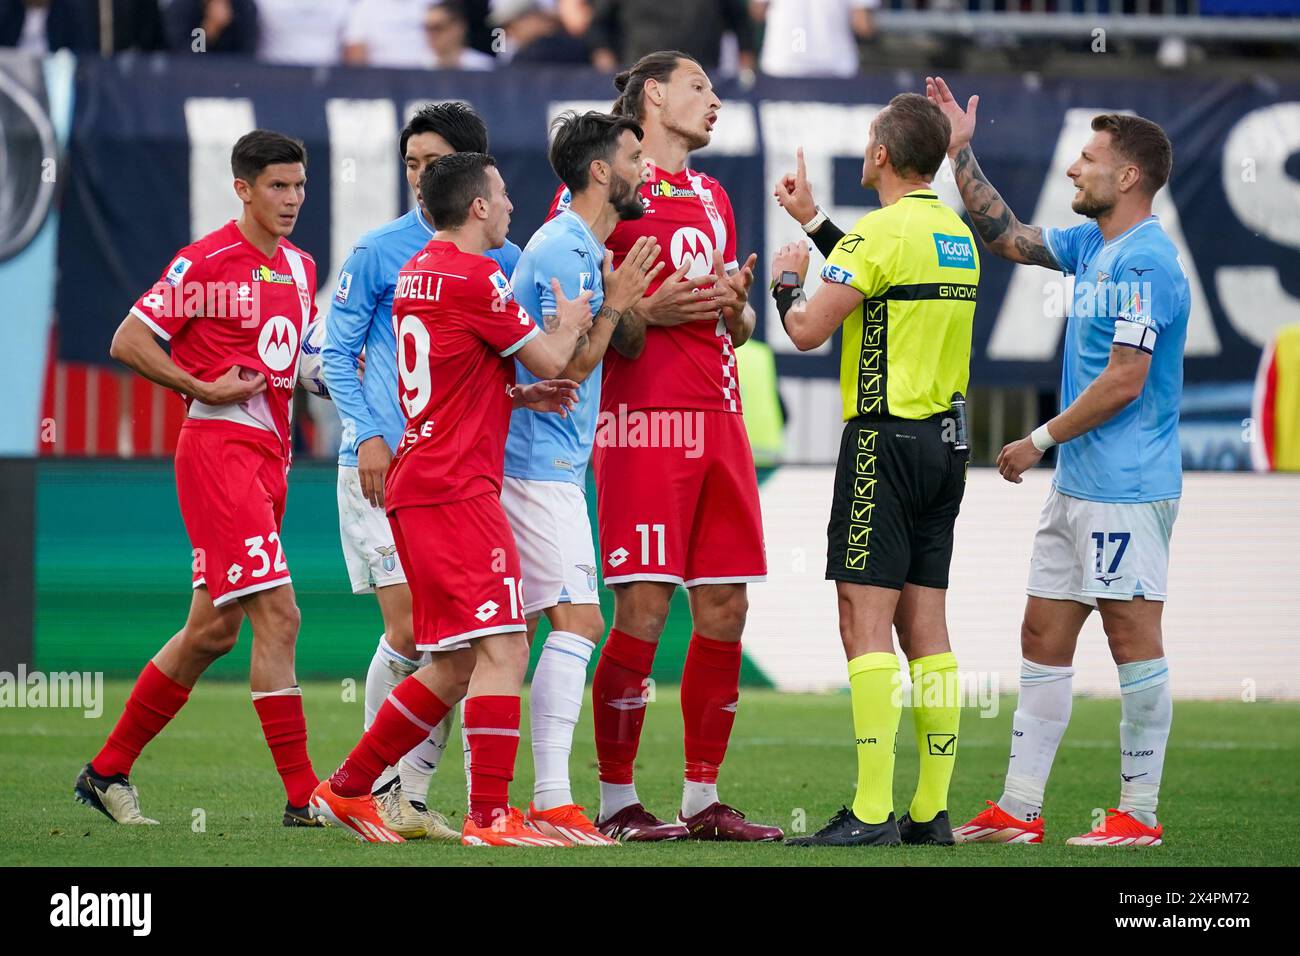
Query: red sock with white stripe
407, 717
710, 691
285, 729
618, 692
154, 701
492, 728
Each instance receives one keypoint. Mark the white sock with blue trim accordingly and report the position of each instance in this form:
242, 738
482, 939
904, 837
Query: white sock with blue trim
554, 703
1148, 712
1046, 697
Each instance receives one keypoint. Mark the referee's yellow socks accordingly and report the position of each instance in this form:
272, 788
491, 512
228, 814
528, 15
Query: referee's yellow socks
936, 714
875, 687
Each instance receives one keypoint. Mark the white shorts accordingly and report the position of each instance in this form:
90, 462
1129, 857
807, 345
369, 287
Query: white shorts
1085, 550
368, 548
553, 534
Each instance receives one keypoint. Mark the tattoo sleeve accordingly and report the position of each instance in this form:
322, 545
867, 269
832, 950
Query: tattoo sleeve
628, 337
997, 225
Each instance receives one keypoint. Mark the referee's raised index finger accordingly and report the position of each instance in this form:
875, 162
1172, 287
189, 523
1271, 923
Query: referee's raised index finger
800, 173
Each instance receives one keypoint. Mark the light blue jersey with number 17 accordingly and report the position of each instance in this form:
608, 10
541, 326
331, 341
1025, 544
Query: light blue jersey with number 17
1130, 292
543, 446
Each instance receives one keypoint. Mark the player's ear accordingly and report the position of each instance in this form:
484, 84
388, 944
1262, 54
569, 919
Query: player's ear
243, 190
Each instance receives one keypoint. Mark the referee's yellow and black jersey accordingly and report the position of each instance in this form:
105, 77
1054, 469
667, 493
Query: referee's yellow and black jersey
906, 348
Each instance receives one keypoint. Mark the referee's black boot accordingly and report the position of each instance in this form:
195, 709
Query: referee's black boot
845, 829
936, 832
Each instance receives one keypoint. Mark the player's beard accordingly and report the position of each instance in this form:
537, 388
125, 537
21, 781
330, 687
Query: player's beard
694, 139
1086, 205
626, 199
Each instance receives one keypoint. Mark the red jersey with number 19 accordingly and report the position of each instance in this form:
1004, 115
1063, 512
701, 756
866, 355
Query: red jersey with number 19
457, 325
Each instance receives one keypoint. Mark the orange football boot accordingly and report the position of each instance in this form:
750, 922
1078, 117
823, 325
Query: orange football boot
995, 825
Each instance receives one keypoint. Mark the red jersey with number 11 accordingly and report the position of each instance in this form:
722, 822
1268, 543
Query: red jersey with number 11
457, 325
692, 365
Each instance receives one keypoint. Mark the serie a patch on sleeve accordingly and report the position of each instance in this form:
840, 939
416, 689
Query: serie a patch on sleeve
345, 286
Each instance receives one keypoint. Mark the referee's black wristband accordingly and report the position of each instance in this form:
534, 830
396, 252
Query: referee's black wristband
786, 296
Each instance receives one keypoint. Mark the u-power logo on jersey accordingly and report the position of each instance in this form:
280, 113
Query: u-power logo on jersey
955, 252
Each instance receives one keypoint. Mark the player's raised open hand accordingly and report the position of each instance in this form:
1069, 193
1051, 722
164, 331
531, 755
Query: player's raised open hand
793, 193
557, 396
679, 300
625, 285
733, 289
572, 313
962, 121
237, 385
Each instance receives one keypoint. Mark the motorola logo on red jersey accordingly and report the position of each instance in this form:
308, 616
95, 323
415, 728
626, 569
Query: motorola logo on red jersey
694, 246
277, 344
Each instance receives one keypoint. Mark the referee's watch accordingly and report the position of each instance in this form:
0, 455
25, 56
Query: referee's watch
786, 280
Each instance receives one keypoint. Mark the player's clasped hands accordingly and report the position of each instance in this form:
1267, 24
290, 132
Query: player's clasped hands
625, 285
732, 291
679, 300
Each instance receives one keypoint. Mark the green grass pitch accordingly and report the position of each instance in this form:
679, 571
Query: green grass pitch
1230, 789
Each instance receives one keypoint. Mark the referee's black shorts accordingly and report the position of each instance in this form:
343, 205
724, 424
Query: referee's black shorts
898, 488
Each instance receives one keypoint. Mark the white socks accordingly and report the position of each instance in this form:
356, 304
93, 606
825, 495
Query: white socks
421, 763
1036, 730
697, 797
554, 703
1147, 709
614, 797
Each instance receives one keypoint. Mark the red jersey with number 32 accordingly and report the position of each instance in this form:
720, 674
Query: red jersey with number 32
692, 365
457, 325
222, 303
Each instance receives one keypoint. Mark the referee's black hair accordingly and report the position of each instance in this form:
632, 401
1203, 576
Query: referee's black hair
450, 184
580, 140
255, 151
455, 121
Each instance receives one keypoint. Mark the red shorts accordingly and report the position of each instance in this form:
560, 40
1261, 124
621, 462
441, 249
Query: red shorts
686, 514
463, 571
231, 484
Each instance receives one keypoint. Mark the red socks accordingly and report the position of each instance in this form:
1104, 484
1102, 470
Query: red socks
492, 728
408, 716
285, 729
710, 690
618, 703
154, 701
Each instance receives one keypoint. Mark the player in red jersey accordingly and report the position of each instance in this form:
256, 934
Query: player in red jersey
233, 307
686, 514
459, 331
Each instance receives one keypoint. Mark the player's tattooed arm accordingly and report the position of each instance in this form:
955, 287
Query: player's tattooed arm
628, 338
593, 343
997, 225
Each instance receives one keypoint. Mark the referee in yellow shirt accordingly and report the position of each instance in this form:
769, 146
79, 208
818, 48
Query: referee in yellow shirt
902, 284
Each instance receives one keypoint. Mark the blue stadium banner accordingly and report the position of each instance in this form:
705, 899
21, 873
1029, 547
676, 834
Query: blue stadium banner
152, 135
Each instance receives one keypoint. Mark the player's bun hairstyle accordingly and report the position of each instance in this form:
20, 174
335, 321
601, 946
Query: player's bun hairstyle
915, 132
456, 122
580, 140
450, 185
1141, 142
631, 83
255, 151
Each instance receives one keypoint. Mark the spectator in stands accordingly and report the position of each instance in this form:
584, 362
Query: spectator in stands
812, 39
75, 25
532, 32
393, 33
445, 28
212, 26
623, 31
305, 32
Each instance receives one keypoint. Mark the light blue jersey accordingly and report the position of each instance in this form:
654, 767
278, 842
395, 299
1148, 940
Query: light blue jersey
1131, 291
361, 316
546, 447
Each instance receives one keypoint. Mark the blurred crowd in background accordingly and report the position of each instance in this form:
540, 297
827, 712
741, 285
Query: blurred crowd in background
800, 38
